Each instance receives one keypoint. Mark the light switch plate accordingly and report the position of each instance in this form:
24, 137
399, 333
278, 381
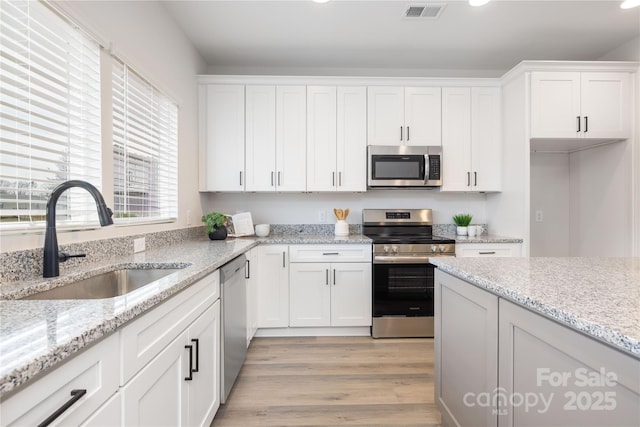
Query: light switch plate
138, 245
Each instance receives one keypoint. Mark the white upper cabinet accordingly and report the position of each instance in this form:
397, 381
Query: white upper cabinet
222, 137
336, 138
471, 139
404, 115
580, 105
275, 138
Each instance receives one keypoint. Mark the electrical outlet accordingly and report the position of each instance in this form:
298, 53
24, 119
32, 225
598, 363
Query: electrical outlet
189, 217
138, 245
539, 216
322, 216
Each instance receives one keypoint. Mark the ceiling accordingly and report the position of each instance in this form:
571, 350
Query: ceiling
374, 37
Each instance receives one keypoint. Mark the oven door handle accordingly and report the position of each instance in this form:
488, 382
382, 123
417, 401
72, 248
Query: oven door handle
399, 259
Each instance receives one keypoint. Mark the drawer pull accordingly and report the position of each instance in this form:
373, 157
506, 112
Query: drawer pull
197, 341
190, 377
331, 253
75, 396
487, 253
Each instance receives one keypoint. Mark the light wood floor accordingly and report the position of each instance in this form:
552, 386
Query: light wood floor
333, 381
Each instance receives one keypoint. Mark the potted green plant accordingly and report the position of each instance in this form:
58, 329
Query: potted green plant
216, 225
462, 221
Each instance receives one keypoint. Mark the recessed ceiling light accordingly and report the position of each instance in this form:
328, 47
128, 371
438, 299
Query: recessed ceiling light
481, 2
628, 4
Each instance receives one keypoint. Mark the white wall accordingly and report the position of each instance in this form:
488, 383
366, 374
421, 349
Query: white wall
294, 208
600, 180
629, 51
146, 37
550, 194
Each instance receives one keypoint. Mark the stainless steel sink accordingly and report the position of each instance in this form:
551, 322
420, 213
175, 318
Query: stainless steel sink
106, 285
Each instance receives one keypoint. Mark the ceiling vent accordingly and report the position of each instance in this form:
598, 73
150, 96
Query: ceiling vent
427, 11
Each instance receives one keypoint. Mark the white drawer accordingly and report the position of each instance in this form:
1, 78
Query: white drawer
91, 370
146, 336
488, 250
330, 253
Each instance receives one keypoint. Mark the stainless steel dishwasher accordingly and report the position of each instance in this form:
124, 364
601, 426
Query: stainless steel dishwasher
234, 323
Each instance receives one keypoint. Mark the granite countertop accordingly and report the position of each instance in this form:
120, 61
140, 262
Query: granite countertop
483, 238
38, 335
599, 297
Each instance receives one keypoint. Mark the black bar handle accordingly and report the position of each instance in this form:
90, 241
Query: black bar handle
339, 179
326, 276
197, 341
190, 377
468, 179
333, 179
487, 253
586, 124
400, 133
272, 178
334, 277
578, 117
278, 178
241, 178
248, 270
283, 259
407, 133
475, 179
63, 256
75, 396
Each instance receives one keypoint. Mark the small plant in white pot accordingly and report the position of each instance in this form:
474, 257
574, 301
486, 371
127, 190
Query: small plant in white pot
462, 221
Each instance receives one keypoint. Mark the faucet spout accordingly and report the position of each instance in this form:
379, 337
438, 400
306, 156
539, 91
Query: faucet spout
51, 262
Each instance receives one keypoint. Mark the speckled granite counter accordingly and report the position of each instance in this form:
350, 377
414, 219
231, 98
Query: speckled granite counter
484, 238
37, 335
597, 296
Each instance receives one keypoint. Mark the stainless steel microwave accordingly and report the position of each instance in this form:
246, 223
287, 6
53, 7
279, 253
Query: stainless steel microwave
404, 166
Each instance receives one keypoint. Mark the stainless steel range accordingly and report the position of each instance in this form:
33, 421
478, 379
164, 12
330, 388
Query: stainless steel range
403, 278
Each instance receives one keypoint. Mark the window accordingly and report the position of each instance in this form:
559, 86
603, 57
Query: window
49, 115
145, 140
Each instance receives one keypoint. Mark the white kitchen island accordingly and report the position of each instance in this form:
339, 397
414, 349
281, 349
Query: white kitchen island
538, 341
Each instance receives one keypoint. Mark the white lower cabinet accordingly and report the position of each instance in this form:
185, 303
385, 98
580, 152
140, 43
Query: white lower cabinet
90, 376
498, 363
330, 293
466, 351
180, 386
273, 288
488, 250
109, 414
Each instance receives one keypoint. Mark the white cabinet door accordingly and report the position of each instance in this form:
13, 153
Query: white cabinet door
350, 294
422, 116
252, 293
222, 137
310, 294
385, 111
486, 139
157, 395
204, 388
582, 381
273, 290
456, 139
351, 152
260, 139
466, 351
291, 134
606, 103
321, 138
555, 105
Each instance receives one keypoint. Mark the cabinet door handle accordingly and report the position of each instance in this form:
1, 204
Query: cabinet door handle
334, 277
75, 396
241, 178
283, 259
248, 270
586, 124
272, 178
475, 179
468, 179
407, 133
190, 377
278, 178
578, 119
487, 253
339, 179
333, 179
400, 133
326, 276
197, 341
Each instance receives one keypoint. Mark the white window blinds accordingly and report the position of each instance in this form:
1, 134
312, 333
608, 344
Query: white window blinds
49, 115
145, 142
